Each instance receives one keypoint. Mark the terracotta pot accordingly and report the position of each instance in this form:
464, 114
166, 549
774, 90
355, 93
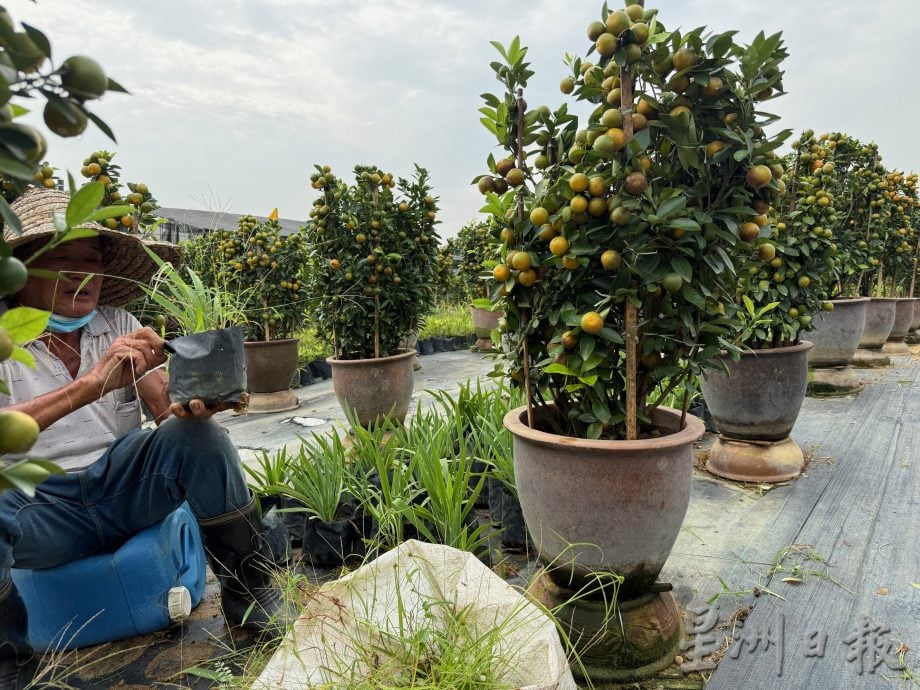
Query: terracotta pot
758, 397
483, 323
837, 333
903, 316
270, 364
879, 320
374, 389
620, 502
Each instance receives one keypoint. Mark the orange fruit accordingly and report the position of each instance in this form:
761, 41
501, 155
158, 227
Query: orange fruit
18, 431
527, 277
578, 204
618, 136
570, 262
559, 245
592, 323
597, 207
597, 186
611, 260
501, 273
617, 22
578, 182
713, 147
749, 232
539, 216
684, 58
758, 176
521, 261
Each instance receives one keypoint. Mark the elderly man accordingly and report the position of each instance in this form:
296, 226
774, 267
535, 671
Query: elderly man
94, 366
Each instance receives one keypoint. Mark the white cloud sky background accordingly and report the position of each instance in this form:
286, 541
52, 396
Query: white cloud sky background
234, 101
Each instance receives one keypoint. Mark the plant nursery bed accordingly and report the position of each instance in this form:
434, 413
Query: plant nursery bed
810, 583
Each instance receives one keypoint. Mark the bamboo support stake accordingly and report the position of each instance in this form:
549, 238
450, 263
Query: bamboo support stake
520, 217
632, 334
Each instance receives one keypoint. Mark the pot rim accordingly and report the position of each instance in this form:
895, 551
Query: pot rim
885, 299
849, 300
513, 422
333, 361
266, 343
798, 347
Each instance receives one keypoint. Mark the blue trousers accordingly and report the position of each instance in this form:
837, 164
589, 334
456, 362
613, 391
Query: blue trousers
138, 481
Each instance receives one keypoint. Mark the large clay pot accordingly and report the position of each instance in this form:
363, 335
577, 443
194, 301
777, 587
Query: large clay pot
903, 316
758, 397
837, 333
880, 317
621, 503
374, 389
484, 321
270, 369
915, 322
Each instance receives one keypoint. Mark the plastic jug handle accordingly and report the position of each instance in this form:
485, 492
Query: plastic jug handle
184, 537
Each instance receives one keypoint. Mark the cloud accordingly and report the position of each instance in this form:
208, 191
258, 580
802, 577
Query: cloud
240, 98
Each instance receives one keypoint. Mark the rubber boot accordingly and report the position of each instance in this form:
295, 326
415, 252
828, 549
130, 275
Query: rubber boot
241, 560
18, 662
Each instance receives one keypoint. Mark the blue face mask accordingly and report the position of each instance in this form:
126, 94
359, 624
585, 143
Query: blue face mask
69, 324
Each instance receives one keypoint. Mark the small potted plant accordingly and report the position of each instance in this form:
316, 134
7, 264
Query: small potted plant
208, 362
374, 251
618, 277
476, 243
269, 268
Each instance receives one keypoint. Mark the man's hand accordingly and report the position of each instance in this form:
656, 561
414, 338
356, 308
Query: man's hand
128, 358
197, 409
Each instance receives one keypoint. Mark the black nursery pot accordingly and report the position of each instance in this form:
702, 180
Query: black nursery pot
320, 369
306, 376
209, 366
328, 544
425, 347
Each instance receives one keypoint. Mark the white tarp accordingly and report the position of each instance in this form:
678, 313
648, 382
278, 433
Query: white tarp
362, 621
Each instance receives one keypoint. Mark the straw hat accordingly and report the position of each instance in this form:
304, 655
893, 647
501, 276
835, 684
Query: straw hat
123, 254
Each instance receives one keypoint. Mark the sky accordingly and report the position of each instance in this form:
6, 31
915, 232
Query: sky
233, 102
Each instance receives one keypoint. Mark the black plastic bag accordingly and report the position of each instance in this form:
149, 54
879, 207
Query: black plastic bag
505, 510
209, 366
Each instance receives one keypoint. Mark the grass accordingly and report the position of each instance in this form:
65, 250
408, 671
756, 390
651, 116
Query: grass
311, 347
447, 320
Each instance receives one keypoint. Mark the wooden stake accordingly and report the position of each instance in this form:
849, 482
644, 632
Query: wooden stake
632, 371
913, 276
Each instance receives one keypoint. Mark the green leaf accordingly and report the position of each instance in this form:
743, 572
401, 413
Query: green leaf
682, 268
13, 168
39, 39
79, 234
557, 368
84, 203
23, 356
110, 212
102, 125
115, 86
9, 217
671, 206
24, 323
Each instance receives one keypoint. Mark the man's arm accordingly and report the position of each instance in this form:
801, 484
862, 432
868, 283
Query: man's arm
127, 359
48, 408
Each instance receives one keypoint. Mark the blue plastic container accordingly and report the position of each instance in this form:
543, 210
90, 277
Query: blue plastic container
110, 596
